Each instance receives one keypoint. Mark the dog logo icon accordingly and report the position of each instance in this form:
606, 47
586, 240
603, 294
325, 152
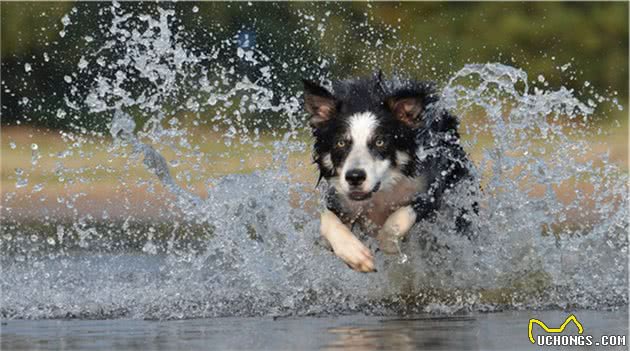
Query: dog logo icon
570, 318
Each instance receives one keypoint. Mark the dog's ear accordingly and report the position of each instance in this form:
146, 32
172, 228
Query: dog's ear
407, 108
319, 103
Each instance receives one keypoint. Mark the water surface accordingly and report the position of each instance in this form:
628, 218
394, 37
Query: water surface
478, 331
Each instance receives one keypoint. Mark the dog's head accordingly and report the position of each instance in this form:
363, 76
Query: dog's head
365, 132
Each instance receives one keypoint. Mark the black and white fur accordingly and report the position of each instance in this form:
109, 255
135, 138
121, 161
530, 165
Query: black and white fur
388, 154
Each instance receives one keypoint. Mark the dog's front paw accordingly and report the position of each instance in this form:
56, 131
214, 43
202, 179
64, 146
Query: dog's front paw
395, 229
355, 254
388, 242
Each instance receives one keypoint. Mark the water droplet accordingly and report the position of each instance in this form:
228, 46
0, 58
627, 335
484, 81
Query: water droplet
61, 113
150, 248
21, 183
195, 9
65, 20
82, 63
27, 67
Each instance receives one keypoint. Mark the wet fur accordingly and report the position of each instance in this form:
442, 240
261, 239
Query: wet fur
420, 148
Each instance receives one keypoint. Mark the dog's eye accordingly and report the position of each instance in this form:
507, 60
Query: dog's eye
379, 142
341, 143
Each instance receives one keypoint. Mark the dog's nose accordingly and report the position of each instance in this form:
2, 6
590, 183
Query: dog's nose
355, 176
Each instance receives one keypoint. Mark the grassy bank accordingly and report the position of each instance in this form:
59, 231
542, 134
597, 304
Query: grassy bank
63, 168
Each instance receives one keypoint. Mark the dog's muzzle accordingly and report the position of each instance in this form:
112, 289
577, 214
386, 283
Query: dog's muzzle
360, 195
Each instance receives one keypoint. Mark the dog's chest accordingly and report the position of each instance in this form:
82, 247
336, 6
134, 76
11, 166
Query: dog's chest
372, 214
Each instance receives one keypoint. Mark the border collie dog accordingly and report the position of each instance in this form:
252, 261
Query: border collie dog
388, 155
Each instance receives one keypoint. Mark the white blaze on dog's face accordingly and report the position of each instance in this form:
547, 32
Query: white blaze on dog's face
362, 170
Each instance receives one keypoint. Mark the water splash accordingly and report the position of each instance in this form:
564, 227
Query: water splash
552, 228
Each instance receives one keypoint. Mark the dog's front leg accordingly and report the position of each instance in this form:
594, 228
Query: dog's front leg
395, 228
345, 245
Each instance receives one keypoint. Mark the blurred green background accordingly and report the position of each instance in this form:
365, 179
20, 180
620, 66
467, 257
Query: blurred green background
589, 39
